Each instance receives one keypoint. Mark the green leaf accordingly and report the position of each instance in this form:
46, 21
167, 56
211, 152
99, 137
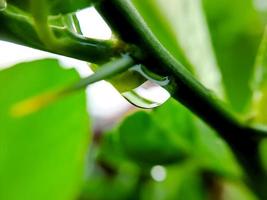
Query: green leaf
181, 27
55, 6
171, 132
146, 142
159, 137
111, 175
213, 153
104, 187
259, 80
110, 150
202, 142
42, 154
236, 30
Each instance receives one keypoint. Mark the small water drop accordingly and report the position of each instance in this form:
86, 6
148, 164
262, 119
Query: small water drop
3, 5
151, 94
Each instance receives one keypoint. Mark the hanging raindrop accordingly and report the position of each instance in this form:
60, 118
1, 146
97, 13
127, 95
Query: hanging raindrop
147, 96
3, 5
150, 94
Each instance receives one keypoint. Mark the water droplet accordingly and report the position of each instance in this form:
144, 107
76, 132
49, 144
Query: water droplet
3, 5
151, 94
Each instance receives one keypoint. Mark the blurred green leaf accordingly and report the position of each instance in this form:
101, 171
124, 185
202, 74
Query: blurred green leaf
259, 80
158, 23
55, 6
201, 141
110, 150
158, 137
147, 142
101, 186
213, 153
236, 30
41, 155
111, 175
171, 132
181, 27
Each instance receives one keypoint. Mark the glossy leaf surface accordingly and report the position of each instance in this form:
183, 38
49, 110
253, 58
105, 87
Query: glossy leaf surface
41, 154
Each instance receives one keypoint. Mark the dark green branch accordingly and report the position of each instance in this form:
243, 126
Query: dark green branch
123, 17
125, 20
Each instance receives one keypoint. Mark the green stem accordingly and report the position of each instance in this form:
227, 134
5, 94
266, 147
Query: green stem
20, 29
104, 72
125, 20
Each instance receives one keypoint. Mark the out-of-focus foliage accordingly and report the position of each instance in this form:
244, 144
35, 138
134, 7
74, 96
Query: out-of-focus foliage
152, 138
55, 6
42, 154
126, 157
236, 28
150, 144
182, 28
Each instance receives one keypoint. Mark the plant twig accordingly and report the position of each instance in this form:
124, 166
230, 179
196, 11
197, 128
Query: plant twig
104, 72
